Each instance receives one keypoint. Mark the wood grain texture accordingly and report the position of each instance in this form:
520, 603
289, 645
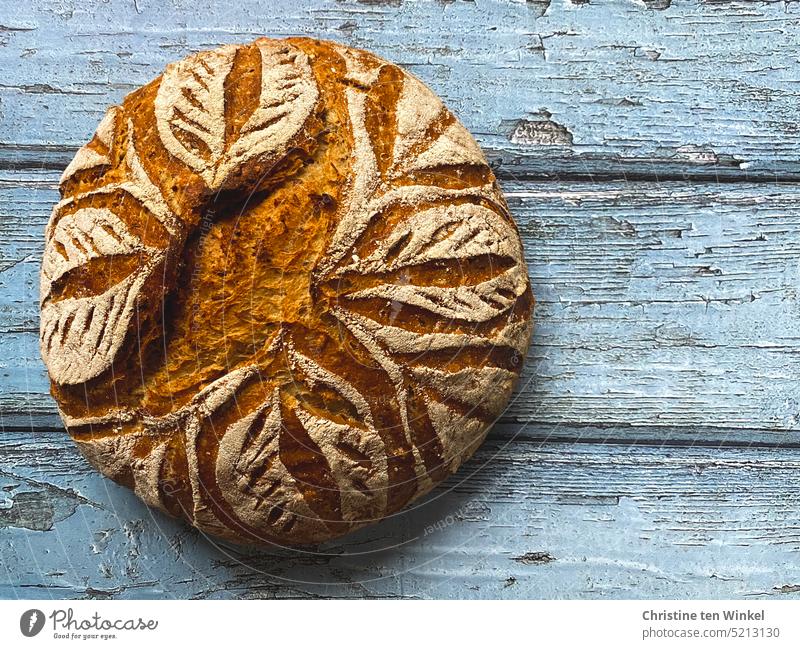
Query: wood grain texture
650, 159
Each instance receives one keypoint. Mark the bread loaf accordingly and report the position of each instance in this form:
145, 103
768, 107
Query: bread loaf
282, 295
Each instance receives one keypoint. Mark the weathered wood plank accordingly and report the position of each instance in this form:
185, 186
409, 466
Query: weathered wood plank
658, 305
512, 164
694, 85
522, 520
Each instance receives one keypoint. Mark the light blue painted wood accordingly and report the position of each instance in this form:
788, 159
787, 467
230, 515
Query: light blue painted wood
658, 305
666, 322
521, 520
621, 78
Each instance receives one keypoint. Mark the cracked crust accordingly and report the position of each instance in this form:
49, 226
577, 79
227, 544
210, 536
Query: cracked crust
282, 296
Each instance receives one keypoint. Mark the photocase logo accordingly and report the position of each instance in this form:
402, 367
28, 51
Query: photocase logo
31, 622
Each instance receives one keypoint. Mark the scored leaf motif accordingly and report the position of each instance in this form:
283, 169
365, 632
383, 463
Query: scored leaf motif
513, 335
460, 435
191, 112
288, 96
451, 232
476, 303
455, 146
81, 335
77, 238
358, 464
487, 388
459, 233
116, 455
190, 109
417, 109
354, 451
255, 481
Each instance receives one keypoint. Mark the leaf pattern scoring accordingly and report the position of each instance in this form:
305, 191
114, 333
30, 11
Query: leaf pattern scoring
81, 335
191, 113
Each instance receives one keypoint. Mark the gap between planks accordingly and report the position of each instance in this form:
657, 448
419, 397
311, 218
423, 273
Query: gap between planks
511, 164
538, 433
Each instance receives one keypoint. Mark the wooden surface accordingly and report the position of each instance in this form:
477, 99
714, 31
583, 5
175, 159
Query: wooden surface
651, 155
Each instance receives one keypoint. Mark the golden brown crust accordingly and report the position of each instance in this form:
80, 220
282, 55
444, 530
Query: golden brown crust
282, 296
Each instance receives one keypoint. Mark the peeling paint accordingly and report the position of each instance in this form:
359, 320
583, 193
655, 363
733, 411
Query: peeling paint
540, 132
47, 89
36, 510
101, 539
381, 3
696, 154
133, 531
534, 558
647, 52
536, 45
538, 7
590, 499
700, 155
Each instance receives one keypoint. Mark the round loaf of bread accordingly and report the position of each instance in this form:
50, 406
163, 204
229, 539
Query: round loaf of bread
282, 295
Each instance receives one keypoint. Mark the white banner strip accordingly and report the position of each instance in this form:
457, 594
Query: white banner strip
401, 624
